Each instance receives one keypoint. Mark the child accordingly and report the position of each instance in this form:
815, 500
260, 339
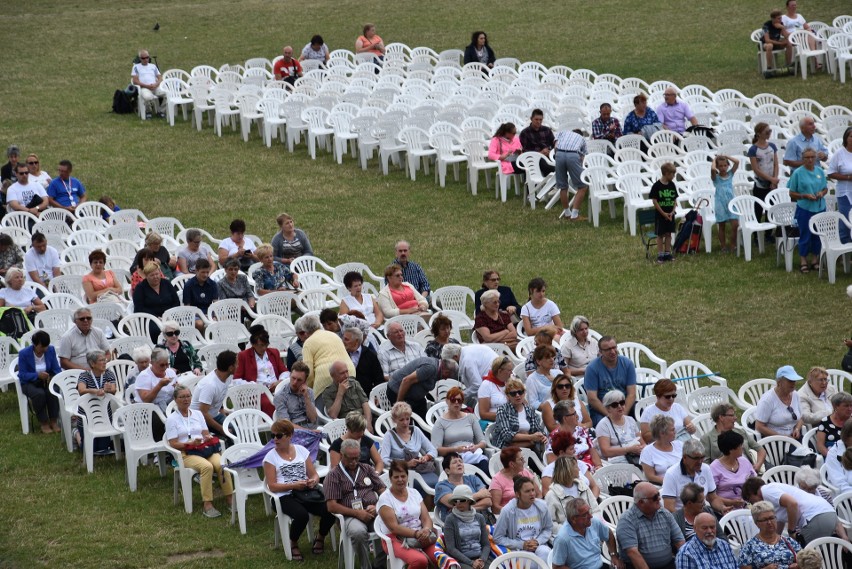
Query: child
724, 182
664, 194
108, 201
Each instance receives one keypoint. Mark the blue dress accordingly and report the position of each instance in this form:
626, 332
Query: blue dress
724, 195
757, 554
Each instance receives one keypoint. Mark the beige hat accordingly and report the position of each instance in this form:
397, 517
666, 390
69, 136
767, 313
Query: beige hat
462, 492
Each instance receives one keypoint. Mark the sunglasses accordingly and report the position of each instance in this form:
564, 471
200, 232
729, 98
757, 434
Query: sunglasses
456, 400
84, 318
670, 396
170, 334
277, 436
699, 457
563, 386
654, 498
32, 161
516, 393
793, 413
617, 404
144, 57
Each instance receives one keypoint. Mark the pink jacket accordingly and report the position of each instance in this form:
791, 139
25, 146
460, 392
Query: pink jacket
499, 147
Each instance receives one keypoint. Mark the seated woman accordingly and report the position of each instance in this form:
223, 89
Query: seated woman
17, 295
195, 249
441, 329
725, 417
290, 242
540, 312
154, 296
641, 120
98, 381
10, 254
502, 487
168, 264
315, 50
359, 301
182, 356
618, 433
370, 42
665, 451
491, 392
260, 363
399, 297
815, 397
517, 528
838, 462
156, 384
768, 548
37, 175
508, 302
143, 257
666, 392
272, 276
563, 443
493, 325
540, 381
404, 441
478, 51
404, 518
101, 285
37, 364
466, 537
828, 431
545, 338
778, 410
453, 466
459, 432
288, 468
142, 358
186, 428
567, 482
516, 422
565, 413
580, 349
505, 147
235, 284
732, 469
237, 247
356, 426
563, 389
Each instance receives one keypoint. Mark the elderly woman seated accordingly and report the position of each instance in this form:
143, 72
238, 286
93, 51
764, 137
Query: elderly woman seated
618, 433
235, 284
10, 254
493, 325
400, 297
405, 440
195, 249
16, 295
665, 451
808, 479
815, 396
182, 355
779, 410
441, 327
580, 349
516, 422
724, 417
290, 242
272, 276
829, 429
491, 395
359, 301
356, 427
768, 548
453, 465
641, 120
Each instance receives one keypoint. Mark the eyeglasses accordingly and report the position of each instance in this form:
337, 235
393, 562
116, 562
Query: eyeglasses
699, 457
793, 413
516, 393
563, 386
277, 436
670, 396
171, 333
495, 279
617, 404
84, 318
764, 520
144, 57
23, 173
456, 400
32, 161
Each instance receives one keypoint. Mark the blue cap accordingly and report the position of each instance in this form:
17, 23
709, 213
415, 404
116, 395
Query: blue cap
789, 373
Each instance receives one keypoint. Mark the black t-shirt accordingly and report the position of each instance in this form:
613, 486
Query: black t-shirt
775, 34
665, 194
366, 445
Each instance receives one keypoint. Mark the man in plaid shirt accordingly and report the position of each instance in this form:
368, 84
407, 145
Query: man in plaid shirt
605, 127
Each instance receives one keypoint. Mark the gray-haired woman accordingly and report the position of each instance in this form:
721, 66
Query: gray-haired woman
98, 381
725, 417
580, 348
828, 431
618, 432
768, 548
493, 325
663, 452
142, 358
195, 249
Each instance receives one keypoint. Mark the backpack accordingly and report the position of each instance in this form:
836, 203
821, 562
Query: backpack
122, 103
13, 322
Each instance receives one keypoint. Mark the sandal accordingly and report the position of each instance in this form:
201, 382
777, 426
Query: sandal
814, 266
296, 554
804, 269
319, 546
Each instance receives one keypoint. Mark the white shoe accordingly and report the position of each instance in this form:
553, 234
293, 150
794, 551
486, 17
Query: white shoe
566, 214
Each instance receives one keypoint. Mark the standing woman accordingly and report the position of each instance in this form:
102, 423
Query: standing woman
541, 312
370, 42
479, 51
37, 364
288, 468
505, 147
290, 242
840, 169
807, 186
763, 156
186, 427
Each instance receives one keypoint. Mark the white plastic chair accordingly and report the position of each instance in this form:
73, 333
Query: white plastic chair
777, 447
739, 526
282, 525
245, 425
64, 386
635, 351
832, 550
378, 399
743, 207
247, 481
134, 422
519, 560
826, 226
751, 391
246, 396
96, 423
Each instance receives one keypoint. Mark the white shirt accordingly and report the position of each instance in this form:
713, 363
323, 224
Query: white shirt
42, 265
660, 460
19, 298
523, 422
211, 391
540, 316
407, 512
538, 389
365, 308
265, 372
146, 381
810, 505
677, 413
627, 434
185, 429
147, 74
43, 178
23, 194
793, 24
289, 471
474, 363
841, 163
836, 474
495, 394
674, 481
228, 245
774, 413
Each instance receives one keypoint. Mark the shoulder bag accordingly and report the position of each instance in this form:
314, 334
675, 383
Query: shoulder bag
631, 457
421, 468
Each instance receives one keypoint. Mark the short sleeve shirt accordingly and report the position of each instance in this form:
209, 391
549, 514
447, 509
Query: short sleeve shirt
832, 432
353, 399
578, 551
765, 162
774, 413
191, 257
228, 245
427, 376
289, 471
183, 428
661, 460
665, 194
675, 479
18, 298
677, 414
540, 316
211, 391
42, 265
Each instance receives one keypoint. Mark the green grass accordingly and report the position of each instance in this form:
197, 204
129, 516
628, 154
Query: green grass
64, 59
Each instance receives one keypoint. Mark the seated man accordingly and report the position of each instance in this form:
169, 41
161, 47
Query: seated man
287, 69
539, 138
41, 261
200, 291
776, 37
368, 369
605, 127
294, 400
413, 382
578, 542
647, 534
673, 113
10, 254
454, 468
706, 551
525, 523
345, 395
64, 191
398, 351
24, 195
210, 393
607, 372
692, 468
147, 78
81, 339
352, 490
412, 273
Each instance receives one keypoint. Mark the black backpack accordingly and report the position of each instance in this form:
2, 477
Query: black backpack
13, 322
122, 103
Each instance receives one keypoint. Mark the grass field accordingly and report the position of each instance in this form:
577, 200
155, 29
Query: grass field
63, 60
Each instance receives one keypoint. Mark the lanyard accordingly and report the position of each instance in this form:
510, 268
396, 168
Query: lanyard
187, 422
98, 385
69, 188
346, 474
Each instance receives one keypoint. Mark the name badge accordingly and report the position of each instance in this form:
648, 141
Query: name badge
357, 505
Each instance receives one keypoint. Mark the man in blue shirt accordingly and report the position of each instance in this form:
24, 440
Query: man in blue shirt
200, 291
578, 543
801, 142
705, 551
64, 191
606, 373
412, 273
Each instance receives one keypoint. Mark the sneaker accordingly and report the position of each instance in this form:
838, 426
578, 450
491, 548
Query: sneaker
161, 115
661, 260
148, 116
211, 513
565, 214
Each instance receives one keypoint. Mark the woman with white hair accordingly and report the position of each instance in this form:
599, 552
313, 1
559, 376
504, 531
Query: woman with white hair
168, 263
663, 452
493, 325
618, 433
580, 348
828, 431
768, 548
815, 397
142, 358
182, 356
15, 294
97, 381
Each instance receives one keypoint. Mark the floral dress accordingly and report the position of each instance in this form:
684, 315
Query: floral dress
757, 554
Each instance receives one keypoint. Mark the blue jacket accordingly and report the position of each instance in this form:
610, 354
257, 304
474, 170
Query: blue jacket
26, 364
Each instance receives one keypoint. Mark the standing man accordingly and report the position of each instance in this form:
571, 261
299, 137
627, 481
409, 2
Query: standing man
412, 273
287, 69
605, 127
24, 195
147, 78
705, 551
474, 363
578, 543
673, 113
570, 151
294, 401
41, 261
64, 191
539, 138
646, 533
211, 392
413, 382
804, 140
607, 372
79, 341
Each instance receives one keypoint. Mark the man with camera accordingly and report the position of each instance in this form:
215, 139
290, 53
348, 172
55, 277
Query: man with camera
146, 77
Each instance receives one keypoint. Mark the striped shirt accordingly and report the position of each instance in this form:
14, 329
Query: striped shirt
696, 555
654, 537
570, 141
392, 359
413, 274
338, 486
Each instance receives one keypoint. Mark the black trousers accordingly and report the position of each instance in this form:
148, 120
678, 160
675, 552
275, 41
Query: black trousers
299, 511
46, 406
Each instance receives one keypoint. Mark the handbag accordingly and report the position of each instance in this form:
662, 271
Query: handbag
421, 468
414, 543
205, 450
799, 460
630, 457
626, 490
309, 496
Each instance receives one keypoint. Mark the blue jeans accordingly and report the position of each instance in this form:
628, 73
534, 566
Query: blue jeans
809, 244
844, 206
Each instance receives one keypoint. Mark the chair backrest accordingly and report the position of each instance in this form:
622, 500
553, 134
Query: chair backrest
777, 447
635, 351
751, 391
64, 386
739, 526
617, 475
519, 560
97, 410
835, 552
136, 422
784, 474
612, 508
244, 425
681, 369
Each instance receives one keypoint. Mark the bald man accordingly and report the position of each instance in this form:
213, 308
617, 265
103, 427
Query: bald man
147, 78
345, 395
287, 69
705, 551
647, 533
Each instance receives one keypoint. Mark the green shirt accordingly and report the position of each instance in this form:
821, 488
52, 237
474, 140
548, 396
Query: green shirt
353, 399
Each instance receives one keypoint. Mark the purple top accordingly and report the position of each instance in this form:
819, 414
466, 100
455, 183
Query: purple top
674, 116
730, 484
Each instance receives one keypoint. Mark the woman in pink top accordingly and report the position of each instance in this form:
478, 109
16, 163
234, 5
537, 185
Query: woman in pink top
100, 282
370, 42
399, 297
732, 469
506, 147
502, 485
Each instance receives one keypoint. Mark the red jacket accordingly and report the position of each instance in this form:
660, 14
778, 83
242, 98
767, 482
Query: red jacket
247, 365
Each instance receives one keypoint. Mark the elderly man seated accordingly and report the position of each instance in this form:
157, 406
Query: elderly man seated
606, 127
147, 78
413, 382
673, 113
398, 351
647, 534
368, 369
706, 551
81, 339
345, 395
692, 468
578, 543
294, 400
